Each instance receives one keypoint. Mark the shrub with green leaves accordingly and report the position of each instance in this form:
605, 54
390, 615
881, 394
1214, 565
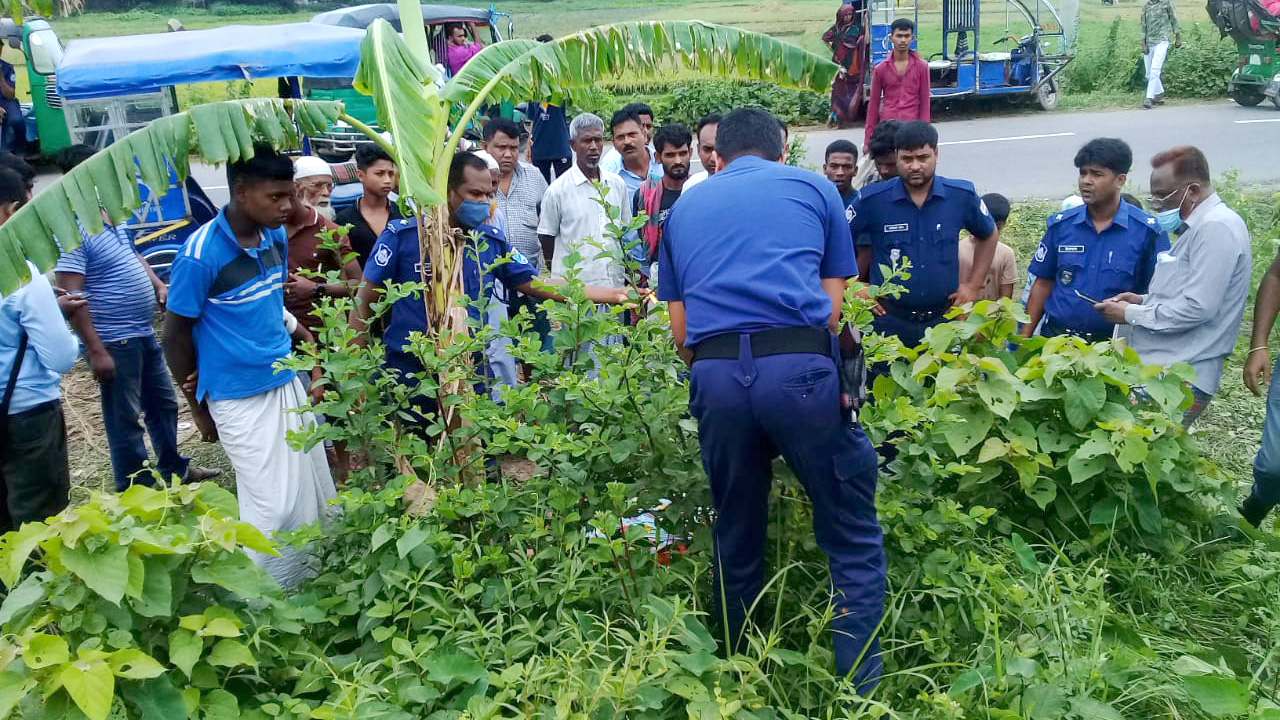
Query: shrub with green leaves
142, 602
1077, 439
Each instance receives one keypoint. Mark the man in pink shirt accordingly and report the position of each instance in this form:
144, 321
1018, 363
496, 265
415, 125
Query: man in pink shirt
899, 84
457, 49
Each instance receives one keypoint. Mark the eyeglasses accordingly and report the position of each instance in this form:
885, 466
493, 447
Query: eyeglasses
1160, 203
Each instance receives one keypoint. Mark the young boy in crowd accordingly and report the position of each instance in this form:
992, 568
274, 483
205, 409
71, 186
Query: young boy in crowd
1004, 272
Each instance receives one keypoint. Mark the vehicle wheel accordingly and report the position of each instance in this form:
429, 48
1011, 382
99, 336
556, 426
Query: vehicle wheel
160, 259
1247, 97
1047, 95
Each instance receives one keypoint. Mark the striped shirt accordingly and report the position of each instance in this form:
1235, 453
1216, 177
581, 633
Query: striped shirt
236, 296
520, 206
121, 299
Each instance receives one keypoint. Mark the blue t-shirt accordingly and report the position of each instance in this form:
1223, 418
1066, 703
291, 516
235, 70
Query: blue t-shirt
887, 220
121, 298
1076, 257
748, 252
236, 297
395, 260
550, 135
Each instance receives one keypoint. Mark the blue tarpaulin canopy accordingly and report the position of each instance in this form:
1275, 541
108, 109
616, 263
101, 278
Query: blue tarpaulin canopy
105, 67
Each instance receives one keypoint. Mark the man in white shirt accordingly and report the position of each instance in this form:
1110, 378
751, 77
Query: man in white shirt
573, 220
705, 135
1191, 312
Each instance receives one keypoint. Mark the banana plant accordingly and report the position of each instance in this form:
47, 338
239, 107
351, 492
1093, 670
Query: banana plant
414, 103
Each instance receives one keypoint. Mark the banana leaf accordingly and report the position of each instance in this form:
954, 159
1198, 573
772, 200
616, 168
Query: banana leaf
522, 70
403, 87
108, 181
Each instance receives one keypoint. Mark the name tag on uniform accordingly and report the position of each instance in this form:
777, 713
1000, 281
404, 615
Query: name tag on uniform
1070, 248
900, 227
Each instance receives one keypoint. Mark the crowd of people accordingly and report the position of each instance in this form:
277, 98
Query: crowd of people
751, 256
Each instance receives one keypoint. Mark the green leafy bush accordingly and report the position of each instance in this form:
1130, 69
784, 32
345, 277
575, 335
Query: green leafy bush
1113, 62
1075, 439
533, 597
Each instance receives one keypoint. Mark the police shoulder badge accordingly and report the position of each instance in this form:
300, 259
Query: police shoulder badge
382, 257
1042, 252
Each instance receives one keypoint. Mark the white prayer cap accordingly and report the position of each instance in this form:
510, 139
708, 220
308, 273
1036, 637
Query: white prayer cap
1074, 201
310, 166
487, 158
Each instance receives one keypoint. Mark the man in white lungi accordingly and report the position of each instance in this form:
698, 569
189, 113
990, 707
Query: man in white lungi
226, 301
1159, 26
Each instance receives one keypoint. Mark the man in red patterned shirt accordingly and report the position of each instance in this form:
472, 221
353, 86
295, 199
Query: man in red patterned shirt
899, 84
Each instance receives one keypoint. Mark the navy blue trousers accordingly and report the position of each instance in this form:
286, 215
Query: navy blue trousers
141, 391
749, 411
910, 332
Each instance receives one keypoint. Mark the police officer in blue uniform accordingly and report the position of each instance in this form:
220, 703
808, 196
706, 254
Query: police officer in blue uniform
918, 216
1093, 252
754, 267
395, 258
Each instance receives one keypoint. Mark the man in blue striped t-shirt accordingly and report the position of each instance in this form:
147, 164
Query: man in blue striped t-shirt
116, 328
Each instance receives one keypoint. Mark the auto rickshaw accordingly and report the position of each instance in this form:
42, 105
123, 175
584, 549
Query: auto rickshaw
113, 86
966, 64
1256, 31
46, 127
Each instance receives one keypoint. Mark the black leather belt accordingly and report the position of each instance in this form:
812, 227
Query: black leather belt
779, 341
1053, 328
917, 316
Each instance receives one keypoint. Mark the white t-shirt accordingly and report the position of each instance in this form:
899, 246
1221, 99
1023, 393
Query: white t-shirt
695, 178
572, 214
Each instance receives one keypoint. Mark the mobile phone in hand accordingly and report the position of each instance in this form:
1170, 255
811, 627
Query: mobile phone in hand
1086, 298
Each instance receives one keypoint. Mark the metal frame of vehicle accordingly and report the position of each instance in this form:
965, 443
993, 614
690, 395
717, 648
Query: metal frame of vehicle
1027, 69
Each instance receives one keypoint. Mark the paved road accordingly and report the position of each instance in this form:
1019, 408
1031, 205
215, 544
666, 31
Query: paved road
1029, 156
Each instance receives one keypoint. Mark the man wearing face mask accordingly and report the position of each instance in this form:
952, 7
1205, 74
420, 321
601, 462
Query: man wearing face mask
1192, 311
396, 259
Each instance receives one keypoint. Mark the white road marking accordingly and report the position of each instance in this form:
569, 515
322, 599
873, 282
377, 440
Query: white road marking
1004, 139
1247, 122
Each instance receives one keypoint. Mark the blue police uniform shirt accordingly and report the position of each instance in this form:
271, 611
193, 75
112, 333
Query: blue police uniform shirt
236, 296
748, 252
850, 202
394, 259
887, 220
1076, 257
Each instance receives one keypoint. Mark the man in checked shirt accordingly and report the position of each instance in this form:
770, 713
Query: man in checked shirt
520, 191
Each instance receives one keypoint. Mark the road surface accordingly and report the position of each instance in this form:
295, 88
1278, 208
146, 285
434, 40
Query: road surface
1029, 156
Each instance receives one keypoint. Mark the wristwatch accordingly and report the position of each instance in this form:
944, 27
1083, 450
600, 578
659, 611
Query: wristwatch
320, 290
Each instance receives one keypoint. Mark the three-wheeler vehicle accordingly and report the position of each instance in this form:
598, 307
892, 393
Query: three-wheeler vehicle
113, 86
969, 62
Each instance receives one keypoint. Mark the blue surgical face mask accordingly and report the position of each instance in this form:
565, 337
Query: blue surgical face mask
1169, 220
472, 214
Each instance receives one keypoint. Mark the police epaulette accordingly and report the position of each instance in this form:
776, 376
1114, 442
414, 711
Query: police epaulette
958, 184
875, 188
399, 224
1058, 217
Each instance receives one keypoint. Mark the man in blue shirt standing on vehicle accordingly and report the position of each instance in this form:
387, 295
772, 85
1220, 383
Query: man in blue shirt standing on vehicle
226, 317
754, 268
396, 258
1093, 252
917, 216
